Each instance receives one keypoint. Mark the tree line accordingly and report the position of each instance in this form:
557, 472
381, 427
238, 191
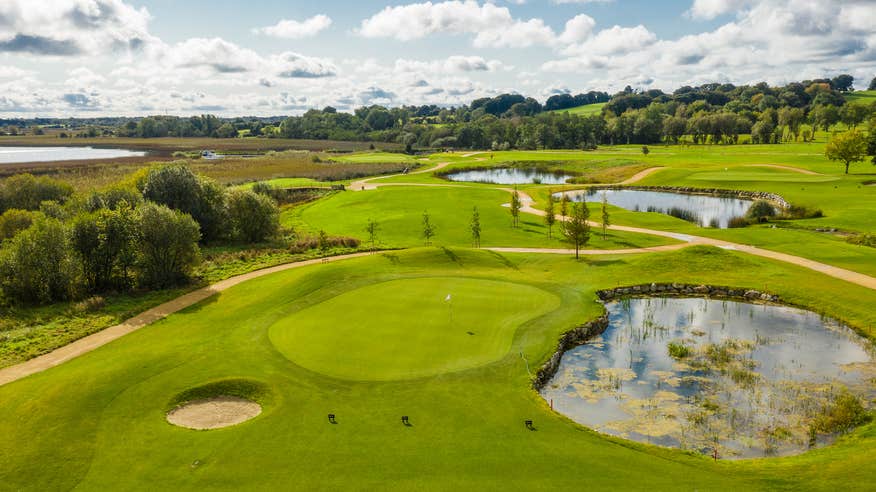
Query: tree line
142, 234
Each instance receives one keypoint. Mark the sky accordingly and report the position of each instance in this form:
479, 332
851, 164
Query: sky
83, 58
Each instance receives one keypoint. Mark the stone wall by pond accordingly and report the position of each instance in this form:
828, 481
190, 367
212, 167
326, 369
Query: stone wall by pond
581, 334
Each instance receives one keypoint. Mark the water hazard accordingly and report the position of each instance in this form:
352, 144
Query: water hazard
510, 176
744, 379
704, 210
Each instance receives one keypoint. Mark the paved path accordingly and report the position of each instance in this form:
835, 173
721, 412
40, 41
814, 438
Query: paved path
641, 175
103, 337
366, 184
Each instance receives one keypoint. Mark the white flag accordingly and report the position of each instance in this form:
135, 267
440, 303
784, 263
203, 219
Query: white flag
447, 299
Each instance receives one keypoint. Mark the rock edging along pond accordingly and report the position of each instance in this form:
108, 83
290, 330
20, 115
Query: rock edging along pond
718, 192
583, 333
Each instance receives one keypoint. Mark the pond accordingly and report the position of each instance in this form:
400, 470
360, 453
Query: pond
510, 176
750, 380
19, 155
704, 210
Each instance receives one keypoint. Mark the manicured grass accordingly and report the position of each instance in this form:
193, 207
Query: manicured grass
585, 110
371, 330
399, 213
97, 422
861, 97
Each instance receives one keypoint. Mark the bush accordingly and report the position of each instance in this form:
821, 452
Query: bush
761, 209
36, 265
14, 221
169, 246
308, 243
737, 222
26, 192
863, 240
802, 212
841, 415
678, 351
254, 217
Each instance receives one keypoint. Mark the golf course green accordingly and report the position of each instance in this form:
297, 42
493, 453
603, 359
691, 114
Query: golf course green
412, 328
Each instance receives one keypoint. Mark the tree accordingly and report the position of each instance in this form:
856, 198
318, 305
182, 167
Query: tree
372, 228
564, 205
847, 148
842, 83
550, 218
516, 205
169, 245
872, 86
323, 243
645, 150
575, 229
824, 116
475, 227
36, 265
853, 114
181, 189
254, 217
428, 228
606, 221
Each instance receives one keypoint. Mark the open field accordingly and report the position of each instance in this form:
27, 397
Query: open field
466, 425
861, 97
585, 110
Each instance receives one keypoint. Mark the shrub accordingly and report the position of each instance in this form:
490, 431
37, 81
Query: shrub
802, 212
14, 221
761, 209
36, 265
308, 243
26, 192
863, 240
90, 305
840, 415
678, 351
737, 222
254, 217
169, 246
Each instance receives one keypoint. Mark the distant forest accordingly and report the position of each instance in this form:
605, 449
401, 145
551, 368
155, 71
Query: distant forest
710, 113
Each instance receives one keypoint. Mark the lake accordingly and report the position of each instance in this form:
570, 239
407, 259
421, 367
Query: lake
19, 155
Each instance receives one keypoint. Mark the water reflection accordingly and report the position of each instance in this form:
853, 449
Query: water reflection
510, 176
704, 210
745, 379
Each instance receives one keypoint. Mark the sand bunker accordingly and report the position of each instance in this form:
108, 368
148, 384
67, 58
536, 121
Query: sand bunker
214, 413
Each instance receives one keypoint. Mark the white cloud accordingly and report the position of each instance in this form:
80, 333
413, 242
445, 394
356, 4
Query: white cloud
451, 64
292, 29
72, 27
493, 26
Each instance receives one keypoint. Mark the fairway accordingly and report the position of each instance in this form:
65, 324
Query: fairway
405, 329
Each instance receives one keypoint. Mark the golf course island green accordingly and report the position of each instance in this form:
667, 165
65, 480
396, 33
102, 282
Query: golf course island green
410, 328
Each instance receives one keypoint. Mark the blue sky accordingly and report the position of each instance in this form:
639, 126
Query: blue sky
271, 57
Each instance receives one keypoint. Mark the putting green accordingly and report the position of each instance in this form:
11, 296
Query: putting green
405, 329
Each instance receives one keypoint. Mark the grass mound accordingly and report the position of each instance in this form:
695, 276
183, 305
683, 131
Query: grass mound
245, 389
